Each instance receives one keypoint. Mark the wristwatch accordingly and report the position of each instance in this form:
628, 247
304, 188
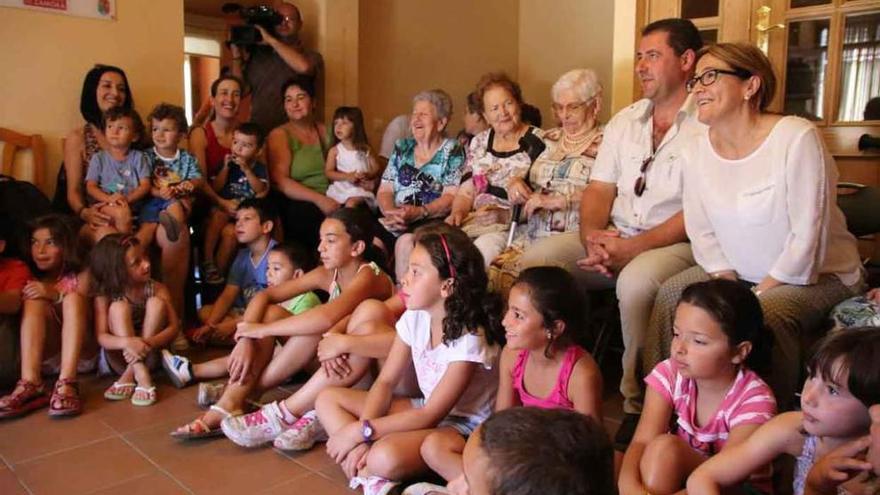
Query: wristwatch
367, 431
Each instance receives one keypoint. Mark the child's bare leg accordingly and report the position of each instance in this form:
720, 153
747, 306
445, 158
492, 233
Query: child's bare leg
36, 314
442, 451
217, 220
146, 233
177, 212
228, 245
369, 318
209, 370
120, 215
73, 332
396, 456
297, 352
666, 464
121, 325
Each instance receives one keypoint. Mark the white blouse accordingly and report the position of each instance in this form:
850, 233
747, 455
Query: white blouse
773, 212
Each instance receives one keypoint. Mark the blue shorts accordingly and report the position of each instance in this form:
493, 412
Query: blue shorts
152, 207
464, 425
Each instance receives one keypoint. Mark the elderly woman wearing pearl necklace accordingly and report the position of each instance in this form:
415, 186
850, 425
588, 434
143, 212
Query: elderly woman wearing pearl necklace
557, 177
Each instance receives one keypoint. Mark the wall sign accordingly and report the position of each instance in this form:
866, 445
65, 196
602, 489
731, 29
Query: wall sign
100, 9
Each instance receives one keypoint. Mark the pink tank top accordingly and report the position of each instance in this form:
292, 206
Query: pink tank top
214, 151
558, 398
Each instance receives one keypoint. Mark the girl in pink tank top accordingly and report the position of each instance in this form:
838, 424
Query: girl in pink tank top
541, 365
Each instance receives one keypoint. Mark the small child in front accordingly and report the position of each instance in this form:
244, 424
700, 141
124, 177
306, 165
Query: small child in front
449, 333
119, 178
241, 177
350, 164
134, 316
706, 385
176, 175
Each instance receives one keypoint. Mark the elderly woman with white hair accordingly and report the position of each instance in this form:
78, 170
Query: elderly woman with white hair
422, 176
557, 177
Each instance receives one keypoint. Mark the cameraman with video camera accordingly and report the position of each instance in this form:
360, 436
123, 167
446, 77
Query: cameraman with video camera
267, 64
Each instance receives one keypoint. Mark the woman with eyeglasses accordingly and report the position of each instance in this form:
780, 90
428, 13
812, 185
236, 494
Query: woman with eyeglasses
421, 178
557, 178
496, 173
760, 206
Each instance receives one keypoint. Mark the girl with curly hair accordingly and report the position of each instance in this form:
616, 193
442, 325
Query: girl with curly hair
449, 334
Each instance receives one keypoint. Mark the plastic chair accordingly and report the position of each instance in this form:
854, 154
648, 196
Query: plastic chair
14, 142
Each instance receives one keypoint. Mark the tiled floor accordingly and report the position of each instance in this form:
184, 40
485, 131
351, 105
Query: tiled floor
116, 448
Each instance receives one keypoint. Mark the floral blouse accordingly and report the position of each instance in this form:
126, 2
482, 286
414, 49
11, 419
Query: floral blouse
419, 186
491, 171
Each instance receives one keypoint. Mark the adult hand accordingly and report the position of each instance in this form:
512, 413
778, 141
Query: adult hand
620, 251
596, 254
39, 290
267, 36
118, 199
332, 345
250, 330
166, 193
241, 361
346, 439
328, 205
838, 466
355, 460
518, 192
93, 216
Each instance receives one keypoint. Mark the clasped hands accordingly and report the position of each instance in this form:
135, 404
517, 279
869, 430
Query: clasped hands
608, 252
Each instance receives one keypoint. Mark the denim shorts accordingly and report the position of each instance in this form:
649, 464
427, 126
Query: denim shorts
464, 425
152, 207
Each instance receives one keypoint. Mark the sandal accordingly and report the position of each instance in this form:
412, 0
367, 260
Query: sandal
148, 396
26, 397
120, 391
68, 404
212, 274
199, 429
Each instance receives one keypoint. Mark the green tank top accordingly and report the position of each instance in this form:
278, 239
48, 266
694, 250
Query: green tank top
307, 166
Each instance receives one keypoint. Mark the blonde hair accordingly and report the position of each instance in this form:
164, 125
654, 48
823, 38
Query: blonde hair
749, 58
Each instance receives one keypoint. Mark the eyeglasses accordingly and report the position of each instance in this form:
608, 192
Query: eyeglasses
642, 182
708, 77
569, 108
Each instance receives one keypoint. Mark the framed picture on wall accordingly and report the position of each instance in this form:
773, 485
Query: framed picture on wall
99, 9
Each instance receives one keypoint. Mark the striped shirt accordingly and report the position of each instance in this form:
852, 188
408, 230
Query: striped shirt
748, 401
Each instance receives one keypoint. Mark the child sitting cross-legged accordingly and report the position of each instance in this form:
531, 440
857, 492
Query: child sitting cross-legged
541, 365
241, 177
449, 333
247, 276
717, 400
176, 176
348, 276
118, 179
134, 316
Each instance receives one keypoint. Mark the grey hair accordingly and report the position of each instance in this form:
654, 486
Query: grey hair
440, 99
583, 82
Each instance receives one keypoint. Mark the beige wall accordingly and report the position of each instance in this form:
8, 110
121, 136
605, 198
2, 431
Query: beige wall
43, 73
410, 45
558, 36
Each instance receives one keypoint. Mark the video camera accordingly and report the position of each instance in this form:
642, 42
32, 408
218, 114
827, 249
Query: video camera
247, 35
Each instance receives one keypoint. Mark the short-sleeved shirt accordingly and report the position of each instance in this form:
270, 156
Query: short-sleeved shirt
14, 274
170, 171
298, 304
122, 177
419, 186
248, 276
237, 185
749, 401
478, 399
626, 145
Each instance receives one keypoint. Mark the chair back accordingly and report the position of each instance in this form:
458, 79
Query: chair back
13, 142
861, 207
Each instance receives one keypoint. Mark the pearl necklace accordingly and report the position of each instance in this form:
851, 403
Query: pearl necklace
576, 142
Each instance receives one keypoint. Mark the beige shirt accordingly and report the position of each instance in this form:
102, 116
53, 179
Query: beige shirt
626, 145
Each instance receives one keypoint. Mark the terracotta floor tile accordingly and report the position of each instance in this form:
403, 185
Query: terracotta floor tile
37, 434
9, 484
84, 469
172, 405
215, 466
311, 484
151, 484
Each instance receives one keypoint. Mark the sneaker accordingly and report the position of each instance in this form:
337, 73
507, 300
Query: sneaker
373, 485
256, 428
212, 274
303, 434
210, 393
178, 368
626, 431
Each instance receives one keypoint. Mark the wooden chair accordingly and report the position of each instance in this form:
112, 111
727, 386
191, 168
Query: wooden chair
14, 142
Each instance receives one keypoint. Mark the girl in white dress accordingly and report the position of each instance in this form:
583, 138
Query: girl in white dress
350, 165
